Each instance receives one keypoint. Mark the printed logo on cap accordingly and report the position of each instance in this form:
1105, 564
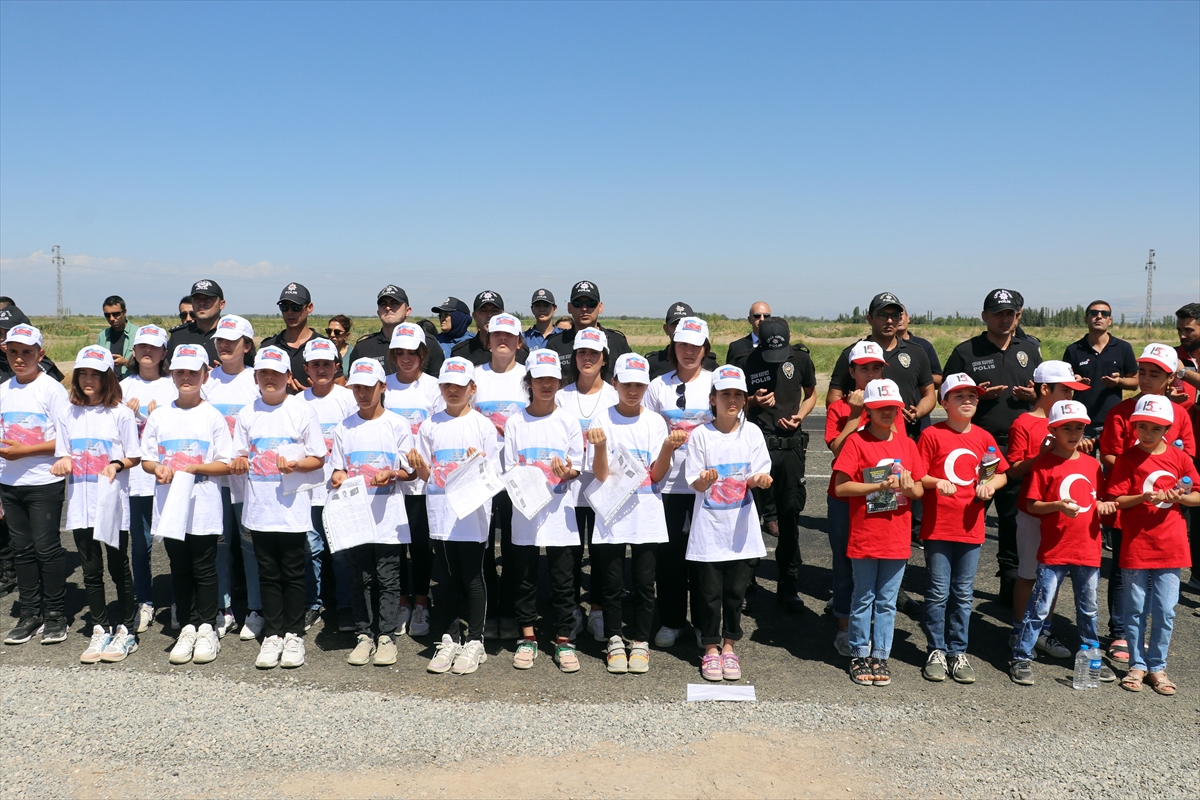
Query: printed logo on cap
203, 285
21, 330
1151, 406
95, 352
583, 286
692, 325
272, 355
541, 292
361, 368
637, 363
183, 351
454, 366
728, 372
888, 297
1158, 351
487, 297
446, 302
547, 358
590, 335
680, 309
1002, 296
321, 344
885, 390
152, 330
227, 324
406, 330
1069, 408
390, 289
776, 342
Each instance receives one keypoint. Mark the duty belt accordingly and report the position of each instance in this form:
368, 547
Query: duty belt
798, 441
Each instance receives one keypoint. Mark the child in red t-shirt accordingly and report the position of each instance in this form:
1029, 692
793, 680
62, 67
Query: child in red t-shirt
1150, 482
965, 469
1062, 489
879, 471
842, 418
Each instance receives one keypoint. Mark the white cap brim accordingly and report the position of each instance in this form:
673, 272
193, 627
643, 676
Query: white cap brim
188, 362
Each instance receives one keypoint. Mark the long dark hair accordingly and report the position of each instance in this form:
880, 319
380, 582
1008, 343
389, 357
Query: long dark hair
606, 373
110, 389
675, 362
422, 354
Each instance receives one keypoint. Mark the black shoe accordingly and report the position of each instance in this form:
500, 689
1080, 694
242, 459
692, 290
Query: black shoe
916, 541
346, 621
749, 601
1106, 538
311, 617
27, 627
55, 629
790, 602
908, 606
8, 582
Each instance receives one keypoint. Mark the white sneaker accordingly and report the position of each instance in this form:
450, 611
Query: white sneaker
268, 654
443, 658
362, 652
580, 624
596, 624
208, 644
100, 639
224, 623
252, 628
293, 652
122, 644
405, 617
419, 625
145, 617
841, 643
666, 637
181, 653
469, 657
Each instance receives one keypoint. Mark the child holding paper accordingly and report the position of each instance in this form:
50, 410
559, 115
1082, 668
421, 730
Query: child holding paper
97, 441
640, 523
191, 436
445, 441
549, 439
374, 444
278, 523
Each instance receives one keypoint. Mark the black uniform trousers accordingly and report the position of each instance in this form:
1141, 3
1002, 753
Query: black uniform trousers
789, 495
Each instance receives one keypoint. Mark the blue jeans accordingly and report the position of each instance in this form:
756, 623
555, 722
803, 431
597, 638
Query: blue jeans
838, 521
140, 542
1150, 593
876, 586
233, 527
1049, 578
950, 598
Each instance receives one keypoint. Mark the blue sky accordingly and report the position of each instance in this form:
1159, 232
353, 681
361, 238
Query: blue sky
806, 154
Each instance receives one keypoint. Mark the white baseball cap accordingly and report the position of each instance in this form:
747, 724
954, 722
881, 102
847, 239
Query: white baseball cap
543, 363
1058, 372
456, 370
189, 356
366, 372
24, 334
729, 377
1065, 411
319, 349
272, 358
867, 352
691, 330
1161, 355
592, 339
632, 368
959, 380
881, 393
152, 335
233, 327
407, 336
505, 323
1153, 408
94, 357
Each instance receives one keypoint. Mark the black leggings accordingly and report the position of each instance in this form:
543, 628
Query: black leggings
194, 578
281, 558
721, 586
462, 590
585, 518
420, 550
671, 570
91, 557
608, 584
33, 514
561, 564
501, 586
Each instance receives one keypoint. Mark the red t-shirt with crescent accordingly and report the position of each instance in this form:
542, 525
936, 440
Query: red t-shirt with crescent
958, 458
1152, 537
1067, 540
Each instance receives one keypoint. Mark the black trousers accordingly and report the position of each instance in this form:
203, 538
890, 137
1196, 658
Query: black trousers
281, 558
34, 514
462, 595
608, 581
1005, 499
561, 564
671, 572
721, 586
194, 578
6, 551
375, 568
585, 518
91, 557
789, 492
420, 550
501, 586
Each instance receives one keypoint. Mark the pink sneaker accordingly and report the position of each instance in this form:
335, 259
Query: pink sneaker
710, 668
731, 670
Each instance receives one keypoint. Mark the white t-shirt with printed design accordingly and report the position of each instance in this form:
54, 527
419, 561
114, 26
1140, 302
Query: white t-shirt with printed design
160, 391
229, 394
178, 437
416, 402
534, 442
499, 395
330, 410
443, 441
586, 408
724, 520
257, 435
641, 520
663, 397
365, 447
29, 415
93, 436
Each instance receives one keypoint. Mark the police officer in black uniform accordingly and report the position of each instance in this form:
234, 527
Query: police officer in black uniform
392, 308
739, 349
1002, 365
658, 361
295, 304
585, 309
487, 305
782, 381
208, 304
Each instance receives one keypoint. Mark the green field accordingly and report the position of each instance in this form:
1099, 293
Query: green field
825, 339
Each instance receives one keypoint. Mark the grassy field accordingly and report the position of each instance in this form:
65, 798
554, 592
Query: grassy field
825, 339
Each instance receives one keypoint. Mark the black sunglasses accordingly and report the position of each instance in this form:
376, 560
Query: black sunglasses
1096, 312
332, 332
585, 303
760, 316
681, 395
184, 316
285, 305
112, 314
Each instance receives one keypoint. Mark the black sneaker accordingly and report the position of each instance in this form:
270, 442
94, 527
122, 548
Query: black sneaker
790, 601
27, 627
908, 606
1021, 672
346, 621
8, 581
310, 617
55, 629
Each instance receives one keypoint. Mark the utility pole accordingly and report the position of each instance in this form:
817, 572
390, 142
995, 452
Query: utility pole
58, 265
1149, 291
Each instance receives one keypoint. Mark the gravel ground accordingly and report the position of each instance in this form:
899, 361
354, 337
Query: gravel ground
145, 728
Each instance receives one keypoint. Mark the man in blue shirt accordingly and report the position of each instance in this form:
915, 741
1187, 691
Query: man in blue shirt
543, 308
1102, 361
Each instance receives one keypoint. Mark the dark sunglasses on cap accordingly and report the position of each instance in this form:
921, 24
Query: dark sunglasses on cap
1098, 312
584, 302
287, 305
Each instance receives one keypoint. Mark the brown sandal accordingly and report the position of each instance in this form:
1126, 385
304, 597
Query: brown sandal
1160, 683
1133, 680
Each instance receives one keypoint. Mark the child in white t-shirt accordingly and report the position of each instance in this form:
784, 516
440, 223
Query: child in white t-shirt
445, 441
147, 389
189, 435
97, 441
374, 444
549, 439
726, 458
278, 522
640, 523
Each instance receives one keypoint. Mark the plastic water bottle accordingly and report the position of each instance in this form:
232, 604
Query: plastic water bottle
1094, 663
1178, 443
1184, 485
898, 468
1083, 662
